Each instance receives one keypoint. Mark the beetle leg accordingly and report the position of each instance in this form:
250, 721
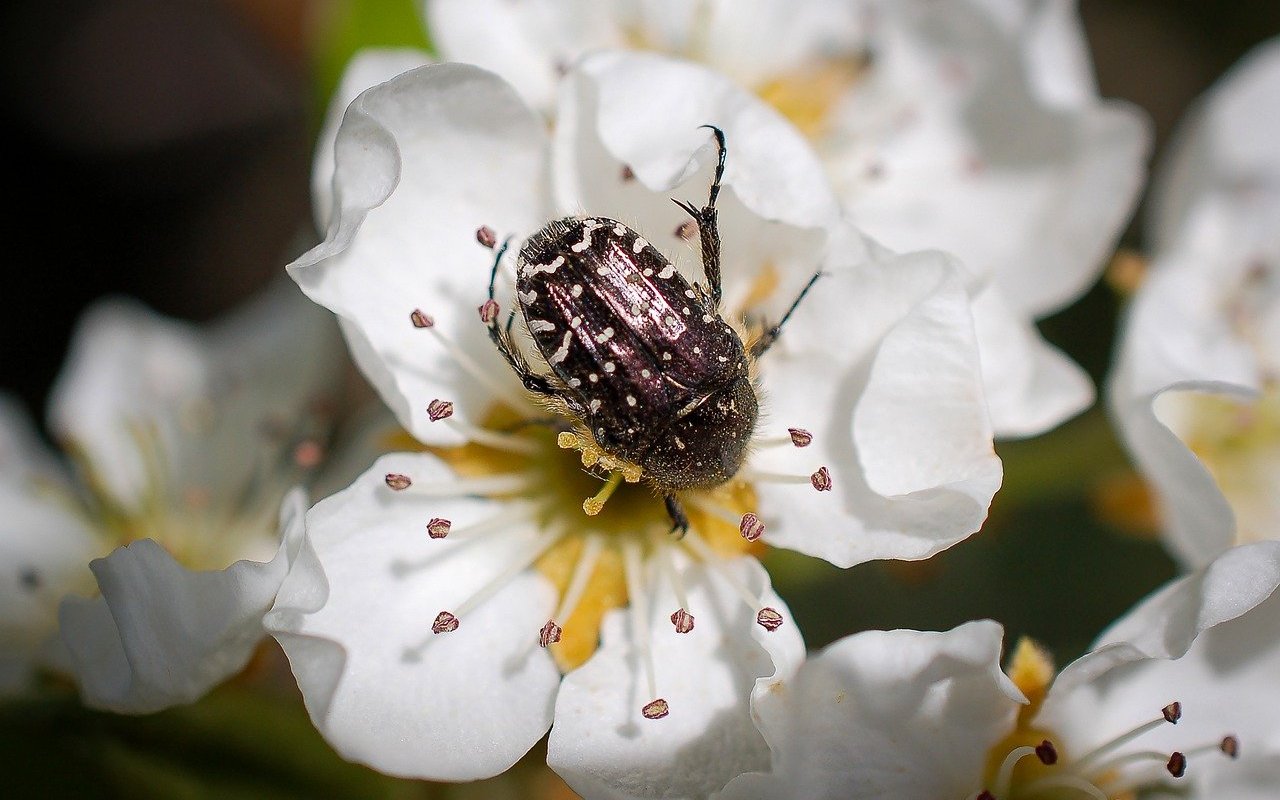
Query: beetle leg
501, 338
772, 332
708, 224
679, 520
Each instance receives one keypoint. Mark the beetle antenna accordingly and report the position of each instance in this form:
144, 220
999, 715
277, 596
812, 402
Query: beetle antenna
715, 184
771, 334
497, 261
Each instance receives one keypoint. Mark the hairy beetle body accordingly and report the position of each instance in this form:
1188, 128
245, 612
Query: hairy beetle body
658, 377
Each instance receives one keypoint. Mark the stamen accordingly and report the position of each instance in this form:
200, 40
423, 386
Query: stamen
439, 409
550, 634
594, 504
1177, 764
421, 320
681, 618
1041, 785
438, 527
1230, 747
686, 230
512, 515
761, 476
656, 708
582, 572
821, 480
509, 394
628, 174
447, 621
398, 482
489, 485
1005, 774
751, 527
491, 438
800, 437
1168, 715
715, 510
1047, 753
767, 618
489, 311
486, 236
308, 454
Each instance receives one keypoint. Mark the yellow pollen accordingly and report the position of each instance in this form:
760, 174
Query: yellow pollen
633, 512
809, 94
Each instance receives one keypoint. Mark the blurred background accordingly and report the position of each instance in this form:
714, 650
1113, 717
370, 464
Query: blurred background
162, 149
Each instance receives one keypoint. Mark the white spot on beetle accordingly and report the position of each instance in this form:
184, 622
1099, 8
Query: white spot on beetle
528, 297
707, 317
575, 383
541, 325
686, 311
678, 441
648, 272
594, 406
609, 366
639, 245
619, 229
593, 377
721, 359
562, 352
576, 291
666, 356
631, 400
605, 271
689, 293
644, 373
547, 268
697, 349
604, 335
667, 271
575, 322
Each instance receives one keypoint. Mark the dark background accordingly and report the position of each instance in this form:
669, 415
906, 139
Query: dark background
161, 149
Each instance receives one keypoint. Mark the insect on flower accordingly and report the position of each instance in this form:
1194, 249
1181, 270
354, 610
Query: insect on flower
657, 384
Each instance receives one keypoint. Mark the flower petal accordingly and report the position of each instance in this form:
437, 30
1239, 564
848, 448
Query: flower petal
1031, 386
159, 634
355, 618
884, 715
422, 161
603, 747
896, 410
646, 111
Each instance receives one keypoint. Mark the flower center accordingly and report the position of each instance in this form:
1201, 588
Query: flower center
809, 94
185, 501
1238, 441
1030, 762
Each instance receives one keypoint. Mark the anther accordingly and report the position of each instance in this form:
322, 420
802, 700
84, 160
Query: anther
628, 174
683, 621
1172, 712
1047, 753
656, 710
397, 482
751, 527
985, 795
439, 409
800, 437
685, 230
1177, 765
486, 236
769, 619
421, 320
821, 480
438, 527
593, 505
445, 623
308, 454
489, 311
550, 634
1230, 746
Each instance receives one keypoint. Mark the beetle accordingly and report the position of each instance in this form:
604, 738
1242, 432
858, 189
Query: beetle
659, 383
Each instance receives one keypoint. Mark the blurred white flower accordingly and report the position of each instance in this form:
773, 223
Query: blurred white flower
414, 622
184, 442
1196, 388
1177, 696
971, 126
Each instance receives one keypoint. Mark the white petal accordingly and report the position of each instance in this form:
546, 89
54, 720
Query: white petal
128, 369
422, 161
645, 111
159, 634
355, 619
1210, 641
1031, 386
603, 747
44, 554
896, 410
1039, 210
368, 67
529, 43
887, 715
1165, 625
22, 454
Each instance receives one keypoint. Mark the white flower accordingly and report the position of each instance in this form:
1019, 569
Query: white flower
972, 126
1183, 685
414, 623
1196, 389
184, 441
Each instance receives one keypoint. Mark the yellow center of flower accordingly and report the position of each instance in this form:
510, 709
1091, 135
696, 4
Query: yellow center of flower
594, 543
808, 95
1238, 441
